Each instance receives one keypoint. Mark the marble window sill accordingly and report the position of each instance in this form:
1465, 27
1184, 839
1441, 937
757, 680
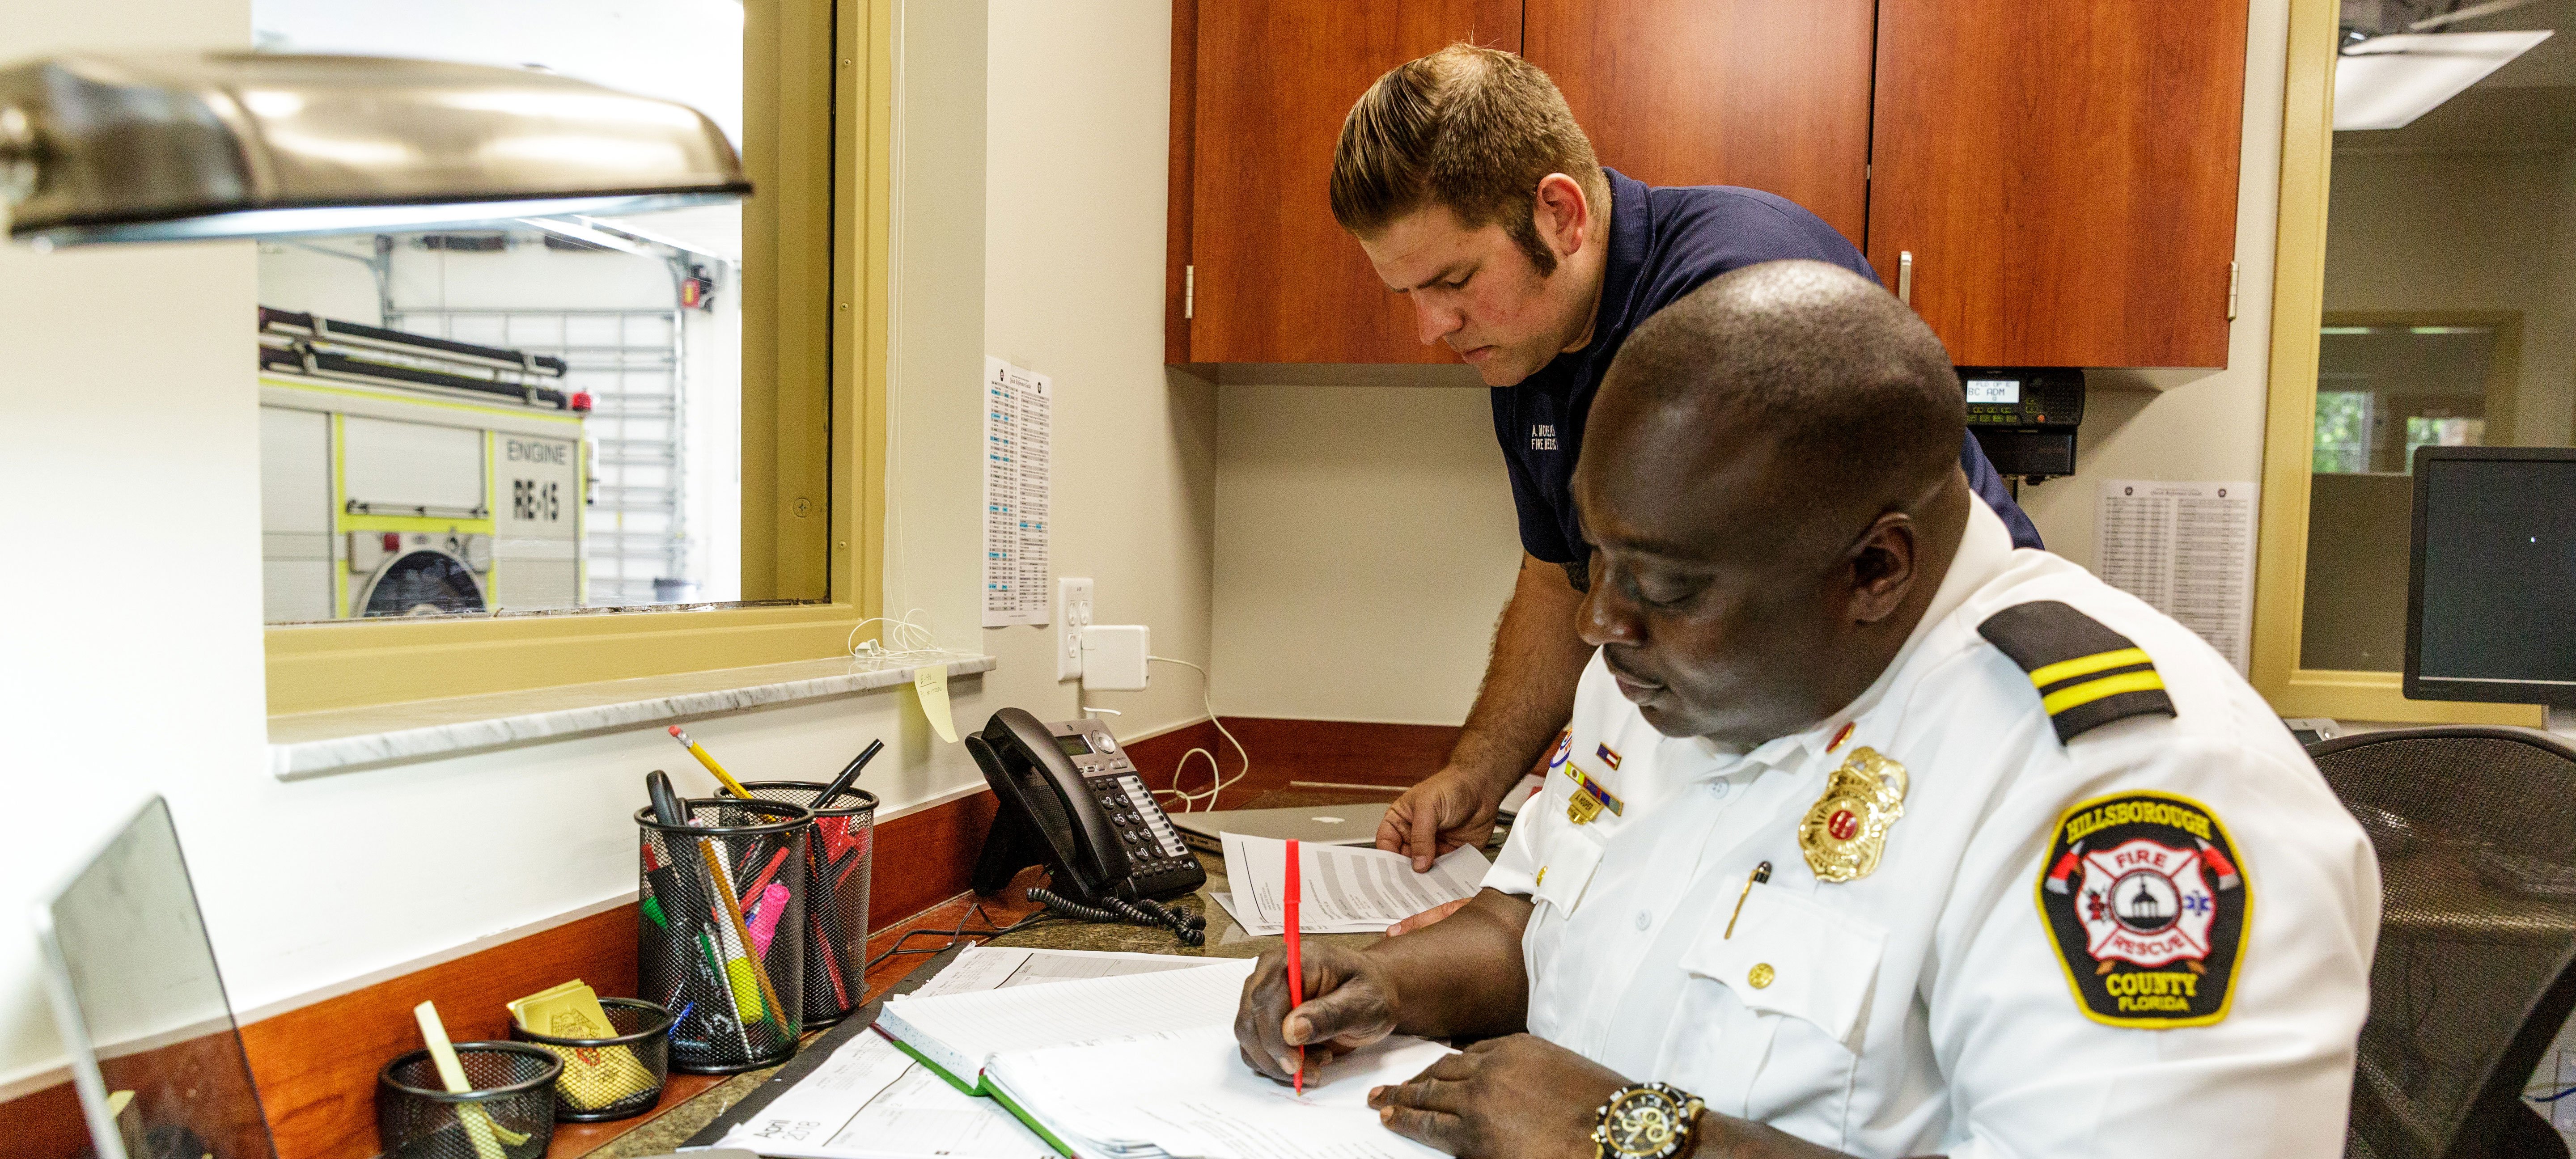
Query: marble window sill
316, 744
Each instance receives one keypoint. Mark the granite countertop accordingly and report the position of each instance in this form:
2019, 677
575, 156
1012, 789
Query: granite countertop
1225, 940
314, 744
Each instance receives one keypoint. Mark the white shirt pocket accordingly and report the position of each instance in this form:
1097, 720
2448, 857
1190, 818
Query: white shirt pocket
1567, 870
1773, 1017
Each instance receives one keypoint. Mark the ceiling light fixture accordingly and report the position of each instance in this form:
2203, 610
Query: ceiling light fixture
228, 145
2386, 82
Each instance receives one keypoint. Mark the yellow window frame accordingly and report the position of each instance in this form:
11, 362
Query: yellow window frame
2298, 308
818, 120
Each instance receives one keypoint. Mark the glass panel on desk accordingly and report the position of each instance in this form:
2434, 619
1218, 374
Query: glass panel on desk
536, 416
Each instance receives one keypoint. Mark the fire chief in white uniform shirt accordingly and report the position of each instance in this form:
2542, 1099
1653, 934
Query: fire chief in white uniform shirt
1871, 834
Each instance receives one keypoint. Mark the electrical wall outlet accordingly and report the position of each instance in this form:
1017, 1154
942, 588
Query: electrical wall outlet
1113, 657
1072, 615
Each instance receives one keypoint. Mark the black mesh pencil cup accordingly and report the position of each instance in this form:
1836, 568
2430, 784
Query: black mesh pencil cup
615, 1077
837, 860
510, 1113
720, 939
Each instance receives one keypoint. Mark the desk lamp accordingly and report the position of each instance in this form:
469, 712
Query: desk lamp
98, 149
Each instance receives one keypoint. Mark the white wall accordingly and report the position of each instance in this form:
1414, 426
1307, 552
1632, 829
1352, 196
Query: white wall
1330, 609
1058, 267
123, 674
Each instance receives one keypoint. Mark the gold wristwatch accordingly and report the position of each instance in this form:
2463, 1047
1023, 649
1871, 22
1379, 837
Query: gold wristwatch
1645, 1121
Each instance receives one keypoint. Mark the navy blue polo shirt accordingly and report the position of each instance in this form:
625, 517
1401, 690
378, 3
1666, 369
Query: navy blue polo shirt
1664, 243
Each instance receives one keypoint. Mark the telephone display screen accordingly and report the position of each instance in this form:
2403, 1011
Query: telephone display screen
1994, 390
1074, 746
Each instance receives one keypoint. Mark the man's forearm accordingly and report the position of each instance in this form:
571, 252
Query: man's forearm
1463, 975
1528, 691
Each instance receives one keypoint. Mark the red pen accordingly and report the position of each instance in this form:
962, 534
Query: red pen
1296, 972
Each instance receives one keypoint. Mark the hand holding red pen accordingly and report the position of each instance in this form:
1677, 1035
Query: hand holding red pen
1296, 967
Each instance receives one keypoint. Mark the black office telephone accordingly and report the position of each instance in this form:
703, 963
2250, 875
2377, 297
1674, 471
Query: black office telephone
1073, 802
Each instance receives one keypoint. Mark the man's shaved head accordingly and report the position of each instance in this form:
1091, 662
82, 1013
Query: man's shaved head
1840, 377
1770, 481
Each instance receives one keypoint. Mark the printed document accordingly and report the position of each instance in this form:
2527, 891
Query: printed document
1345, 890
1188, 1095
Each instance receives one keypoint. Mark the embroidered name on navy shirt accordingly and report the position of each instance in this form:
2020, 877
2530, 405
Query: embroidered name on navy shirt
1542, 436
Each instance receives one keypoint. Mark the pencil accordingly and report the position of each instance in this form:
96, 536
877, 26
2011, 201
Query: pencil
1296, 970
700, 751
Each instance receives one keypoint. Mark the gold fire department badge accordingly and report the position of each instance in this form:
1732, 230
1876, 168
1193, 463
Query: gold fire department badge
1845, 830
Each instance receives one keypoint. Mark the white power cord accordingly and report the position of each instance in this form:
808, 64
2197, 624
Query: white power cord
1191, 801
903, 641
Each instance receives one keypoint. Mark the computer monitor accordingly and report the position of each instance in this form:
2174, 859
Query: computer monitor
142, 1010
2491, 599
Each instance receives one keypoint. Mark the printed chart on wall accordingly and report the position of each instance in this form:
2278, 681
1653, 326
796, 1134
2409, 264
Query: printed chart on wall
2187, 549
1016, 416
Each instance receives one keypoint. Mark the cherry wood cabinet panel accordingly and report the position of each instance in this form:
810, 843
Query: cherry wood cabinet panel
1770, 94
1176, 205
1276, 280
2064, 175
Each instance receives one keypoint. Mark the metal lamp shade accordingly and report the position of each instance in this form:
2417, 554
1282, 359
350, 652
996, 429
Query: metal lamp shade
228, 145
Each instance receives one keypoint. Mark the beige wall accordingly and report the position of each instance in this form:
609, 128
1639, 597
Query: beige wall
1364, 545
2467, 231
130, 657
1328, 605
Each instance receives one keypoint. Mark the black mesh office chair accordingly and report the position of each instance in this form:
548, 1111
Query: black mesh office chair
2476, 833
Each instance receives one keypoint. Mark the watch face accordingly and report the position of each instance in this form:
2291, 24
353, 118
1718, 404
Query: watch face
1644, 1123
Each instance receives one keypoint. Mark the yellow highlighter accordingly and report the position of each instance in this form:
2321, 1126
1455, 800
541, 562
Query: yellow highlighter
700, 751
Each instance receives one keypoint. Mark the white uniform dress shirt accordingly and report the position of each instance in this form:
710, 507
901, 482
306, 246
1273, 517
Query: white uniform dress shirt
1924, 1008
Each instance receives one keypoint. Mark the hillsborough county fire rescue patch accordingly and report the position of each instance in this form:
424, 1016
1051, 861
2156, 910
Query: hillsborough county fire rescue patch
2147, 906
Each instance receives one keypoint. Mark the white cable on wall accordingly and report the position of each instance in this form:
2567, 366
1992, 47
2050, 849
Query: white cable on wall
1191, 801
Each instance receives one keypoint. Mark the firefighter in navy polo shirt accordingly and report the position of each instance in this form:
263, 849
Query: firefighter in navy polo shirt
1477, 197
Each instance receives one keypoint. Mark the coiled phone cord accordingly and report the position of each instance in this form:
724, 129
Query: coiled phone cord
1190, 928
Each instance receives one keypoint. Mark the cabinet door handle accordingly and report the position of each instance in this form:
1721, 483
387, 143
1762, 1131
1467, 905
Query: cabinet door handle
1905, 276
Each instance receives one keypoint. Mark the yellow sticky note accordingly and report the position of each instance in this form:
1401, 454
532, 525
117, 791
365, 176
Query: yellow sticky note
931, 681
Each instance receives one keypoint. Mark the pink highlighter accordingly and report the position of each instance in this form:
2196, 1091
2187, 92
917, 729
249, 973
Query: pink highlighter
764, 917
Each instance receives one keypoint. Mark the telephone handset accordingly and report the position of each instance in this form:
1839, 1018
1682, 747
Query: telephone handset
1070, 800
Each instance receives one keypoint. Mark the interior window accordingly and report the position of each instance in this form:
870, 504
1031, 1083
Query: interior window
532, 416
2447, 320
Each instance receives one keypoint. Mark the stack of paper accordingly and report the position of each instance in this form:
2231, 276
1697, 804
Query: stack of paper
1146, 1067
870, 1100
956, 1033
1346, 890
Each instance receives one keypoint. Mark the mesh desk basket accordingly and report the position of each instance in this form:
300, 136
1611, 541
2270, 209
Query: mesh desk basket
511, 1109
615, 1077
837, 864
720, 936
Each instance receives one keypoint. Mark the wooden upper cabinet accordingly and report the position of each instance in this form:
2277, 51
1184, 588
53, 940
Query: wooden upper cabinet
1272, 277
2064, 175
1771, 94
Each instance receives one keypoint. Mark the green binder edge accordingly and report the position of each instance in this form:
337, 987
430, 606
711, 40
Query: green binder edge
982, 1090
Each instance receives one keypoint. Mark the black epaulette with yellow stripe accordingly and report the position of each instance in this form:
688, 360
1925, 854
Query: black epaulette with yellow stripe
2087, 674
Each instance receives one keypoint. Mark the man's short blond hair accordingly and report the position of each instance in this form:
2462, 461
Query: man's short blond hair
1469, 128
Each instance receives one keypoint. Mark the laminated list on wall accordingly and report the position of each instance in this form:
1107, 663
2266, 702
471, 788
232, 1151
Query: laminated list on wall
2185, 548
1016, 406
